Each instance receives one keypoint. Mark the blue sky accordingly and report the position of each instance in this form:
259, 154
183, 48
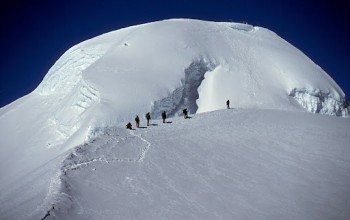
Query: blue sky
35, 33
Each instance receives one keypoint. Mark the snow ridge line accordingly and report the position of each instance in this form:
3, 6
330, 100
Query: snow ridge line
63, 185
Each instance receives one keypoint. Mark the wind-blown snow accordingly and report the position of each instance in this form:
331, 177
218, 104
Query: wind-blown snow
160, 66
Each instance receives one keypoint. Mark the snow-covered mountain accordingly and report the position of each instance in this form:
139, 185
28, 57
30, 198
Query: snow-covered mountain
166, 66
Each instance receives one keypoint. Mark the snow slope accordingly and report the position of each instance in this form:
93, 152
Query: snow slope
228, 164
158, 66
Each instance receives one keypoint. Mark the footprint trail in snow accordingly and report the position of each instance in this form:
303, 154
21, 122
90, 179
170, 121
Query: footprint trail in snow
114, 145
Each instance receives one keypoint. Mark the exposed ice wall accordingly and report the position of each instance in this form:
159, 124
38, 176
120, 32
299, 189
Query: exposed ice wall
186, 95
323, 102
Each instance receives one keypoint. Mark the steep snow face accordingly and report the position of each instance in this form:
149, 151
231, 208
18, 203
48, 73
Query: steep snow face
172, 64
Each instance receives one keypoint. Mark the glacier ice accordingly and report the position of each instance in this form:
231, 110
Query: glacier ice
186, 95
323, 102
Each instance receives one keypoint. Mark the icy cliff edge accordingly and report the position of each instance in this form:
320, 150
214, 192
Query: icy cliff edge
322, 102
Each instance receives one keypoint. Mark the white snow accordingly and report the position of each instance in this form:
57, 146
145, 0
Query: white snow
188, 169
228, 164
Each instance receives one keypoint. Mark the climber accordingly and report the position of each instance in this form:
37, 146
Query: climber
137, 120
228, 104
185, 112
129, 126
148, 117
164, 116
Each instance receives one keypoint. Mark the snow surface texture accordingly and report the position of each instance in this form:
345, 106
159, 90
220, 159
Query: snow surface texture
166, 65
228, 164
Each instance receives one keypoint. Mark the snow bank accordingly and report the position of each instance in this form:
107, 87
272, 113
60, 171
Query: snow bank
228, 164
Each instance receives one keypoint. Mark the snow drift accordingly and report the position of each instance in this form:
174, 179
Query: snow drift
160, 66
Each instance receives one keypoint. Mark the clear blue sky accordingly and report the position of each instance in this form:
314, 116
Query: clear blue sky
35, 33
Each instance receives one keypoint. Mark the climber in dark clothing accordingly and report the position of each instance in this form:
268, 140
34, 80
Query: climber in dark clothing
137, 120
185, 112
148, 117
129, 126
228, 104
164, 116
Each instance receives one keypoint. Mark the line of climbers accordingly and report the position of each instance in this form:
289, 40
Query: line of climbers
148, 117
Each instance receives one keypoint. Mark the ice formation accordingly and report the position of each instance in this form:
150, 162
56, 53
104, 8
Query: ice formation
318, 101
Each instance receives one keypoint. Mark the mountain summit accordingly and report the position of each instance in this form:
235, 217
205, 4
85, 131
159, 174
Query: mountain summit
174, 63
167, 65
160, 66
